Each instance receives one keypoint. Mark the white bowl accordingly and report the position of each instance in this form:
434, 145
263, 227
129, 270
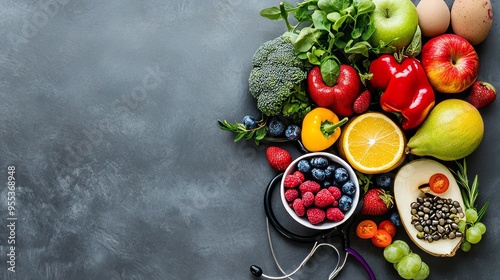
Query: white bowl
326, 224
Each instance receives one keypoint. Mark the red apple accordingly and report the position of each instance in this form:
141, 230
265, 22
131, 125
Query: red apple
450, 62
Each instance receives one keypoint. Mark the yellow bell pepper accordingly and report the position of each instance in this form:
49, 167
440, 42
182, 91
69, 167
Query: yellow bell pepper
320, 129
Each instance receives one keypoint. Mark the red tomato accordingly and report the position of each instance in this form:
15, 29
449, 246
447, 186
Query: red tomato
439, 183
382, 238
388, 226
366, 229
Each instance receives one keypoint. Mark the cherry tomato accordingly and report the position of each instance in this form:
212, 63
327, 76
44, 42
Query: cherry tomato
366, 229
439, 183
382, 238
388, 226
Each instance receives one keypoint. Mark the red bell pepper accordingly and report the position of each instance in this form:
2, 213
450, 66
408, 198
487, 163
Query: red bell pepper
406, 88
338, 98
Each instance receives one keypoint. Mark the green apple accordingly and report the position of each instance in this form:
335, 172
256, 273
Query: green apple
394, 20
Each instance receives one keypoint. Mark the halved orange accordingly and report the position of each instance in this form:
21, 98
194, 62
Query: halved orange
372, 143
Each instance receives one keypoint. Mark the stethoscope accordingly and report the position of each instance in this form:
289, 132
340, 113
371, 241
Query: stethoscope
318, 239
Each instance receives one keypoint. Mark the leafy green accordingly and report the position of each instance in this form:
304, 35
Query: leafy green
329, 33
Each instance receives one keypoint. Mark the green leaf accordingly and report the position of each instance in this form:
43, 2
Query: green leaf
313, 59
327, 6
272, 13
482, 211
349, 11
356, 32
320, 21
249, 135
302, 13
307, 37
364, 180
368, 31
302, 55
359, 48
336, 26
364, 6
342, 4
260, 133
318, 52
333, 16
334, 5
415, 46
239, 136
340, 43
330, 71
291, 35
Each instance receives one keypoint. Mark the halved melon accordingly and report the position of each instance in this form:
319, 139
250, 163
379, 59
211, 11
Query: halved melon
406, 190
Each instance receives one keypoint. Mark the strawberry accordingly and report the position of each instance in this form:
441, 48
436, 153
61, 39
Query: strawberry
481, 94
278, 158
376, 202
362, 102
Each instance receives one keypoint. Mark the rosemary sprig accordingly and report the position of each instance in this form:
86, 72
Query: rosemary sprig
259, 133
469, 192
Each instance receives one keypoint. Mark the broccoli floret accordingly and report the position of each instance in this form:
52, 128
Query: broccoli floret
276, 75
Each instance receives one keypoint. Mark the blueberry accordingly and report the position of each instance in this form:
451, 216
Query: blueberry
249, 122
318, 174
292, 132
341, 175
394, 218
384, 181
321, 162
327, 183
276, 127
304, 166
349, 188
345, 203
329, 170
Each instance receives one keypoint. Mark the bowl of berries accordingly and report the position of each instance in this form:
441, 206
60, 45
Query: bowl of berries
320, 190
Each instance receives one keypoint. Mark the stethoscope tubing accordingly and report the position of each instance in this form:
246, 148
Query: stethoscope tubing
323, 235
280, 228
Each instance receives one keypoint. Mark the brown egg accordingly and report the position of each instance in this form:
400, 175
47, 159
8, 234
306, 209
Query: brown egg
472, 19
433, 17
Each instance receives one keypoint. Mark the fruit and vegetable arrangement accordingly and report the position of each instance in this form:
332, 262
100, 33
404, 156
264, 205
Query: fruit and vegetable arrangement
392, 88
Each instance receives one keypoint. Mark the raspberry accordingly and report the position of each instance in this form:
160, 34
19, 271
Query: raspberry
291, 194
315, 215
323, 198
308, 199
334, 214
291, 181
299, 207
310, 186
300, 175
335, 191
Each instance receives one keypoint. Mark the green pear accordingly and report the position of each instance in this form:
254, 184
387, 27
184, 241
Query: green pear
452, 130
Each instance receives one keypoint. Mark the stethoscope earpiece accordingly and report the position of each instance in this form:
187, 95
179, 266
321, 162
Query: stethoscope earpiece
256, 271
